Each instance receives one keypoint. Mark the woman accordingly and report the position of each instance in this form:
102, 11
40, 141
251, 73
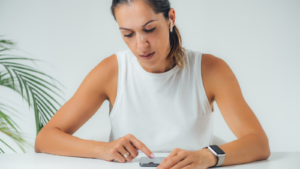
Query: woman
162, 97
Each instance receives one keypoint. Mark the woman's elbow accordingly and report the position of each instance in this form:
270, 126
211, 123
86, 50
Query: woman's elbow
37, 144
266, 148
41, 140
267, 152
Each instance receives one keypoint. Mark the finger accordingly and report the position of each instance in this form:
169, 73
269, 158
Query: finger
117, 156
123, 151
172, 154
133, 151
138, 144
135, 147
178, 158
190, 166
181, 164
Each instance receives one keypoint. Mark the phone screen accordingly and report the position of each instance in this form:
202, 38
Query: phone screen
149, 162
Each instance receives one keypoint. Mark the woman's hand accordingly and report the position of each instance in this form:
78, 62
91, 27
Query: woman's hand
118, 148
183, 159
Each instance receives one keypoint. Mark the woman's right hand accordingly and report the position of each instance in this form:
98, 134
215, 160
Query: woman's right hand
118, 148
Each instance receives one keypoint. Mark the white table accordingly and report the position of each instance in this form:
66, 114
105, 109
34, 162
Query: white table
277, 160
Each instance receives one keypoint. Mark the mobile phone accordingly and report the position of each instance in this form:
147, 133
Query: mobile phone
149, 162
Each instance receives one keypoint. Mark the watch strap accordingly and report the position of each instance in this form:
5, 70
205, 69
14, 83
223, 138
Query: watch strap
220, 158
215, 156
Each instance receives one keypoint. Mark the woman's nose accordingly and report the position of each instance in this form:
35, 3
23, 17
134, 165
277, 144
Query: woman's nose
142, 42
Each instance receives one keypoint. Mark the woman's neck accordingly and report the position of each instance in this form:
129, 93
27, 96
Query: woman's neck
155, 70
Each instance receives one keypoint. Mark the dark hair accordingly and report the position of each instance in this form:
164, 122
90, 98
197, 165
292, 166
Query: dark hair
177, 52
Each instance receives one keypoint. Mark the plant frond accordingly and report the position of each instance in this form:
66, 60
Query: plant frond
16, 57
6, 119
7, 145
1, 151
7, 82
36, 87
16, 136
10, 110
6, 45
40, 82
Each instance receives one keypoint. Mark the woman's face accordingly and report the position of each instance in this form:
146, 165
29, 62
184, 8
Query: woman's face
145, 32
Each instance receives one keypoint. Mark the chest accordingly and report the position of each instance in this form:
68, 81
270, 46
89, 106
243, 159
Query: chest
112, 92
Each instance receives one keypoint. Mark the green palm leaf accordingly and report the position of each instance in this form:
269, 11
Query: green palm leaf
31, 81
10, 128
38, 89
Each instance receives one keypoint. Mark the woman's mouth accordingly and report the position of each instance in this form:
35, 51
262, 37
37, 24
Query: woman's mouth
149, 56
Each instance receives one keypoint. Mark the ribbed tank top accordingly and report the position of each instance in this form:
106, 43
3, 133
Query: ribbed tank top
163, 110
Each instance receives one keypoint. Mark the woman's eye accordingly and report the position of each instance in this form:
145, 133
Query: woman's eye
129, 35
149, 30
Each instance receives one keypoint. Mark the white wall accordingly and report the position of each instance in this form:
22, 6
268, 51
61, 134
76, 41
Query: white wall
260, 41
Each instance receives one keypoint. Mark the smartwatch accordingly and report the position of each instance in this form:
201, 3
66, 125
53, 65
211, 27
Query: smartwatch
219, 153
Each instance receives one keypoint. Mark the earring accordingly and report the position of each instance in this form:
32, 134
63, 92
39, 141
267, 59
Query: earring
171, 27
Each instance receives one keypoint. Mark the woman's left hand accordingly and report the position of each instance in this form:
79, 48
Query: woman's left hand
183, 159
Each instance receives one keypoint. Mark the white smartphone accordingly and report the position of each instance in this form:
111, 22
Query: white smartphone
149, 162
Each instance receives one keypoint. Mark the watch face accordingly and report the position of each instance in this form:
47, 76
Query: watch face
217, 149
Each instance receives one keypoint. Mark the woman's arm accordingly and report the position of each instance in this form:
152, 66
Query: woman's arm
252, 143
56, 136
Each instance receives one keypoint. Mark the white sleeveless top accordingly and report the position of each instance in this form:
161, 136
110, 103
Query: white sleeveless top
163, 110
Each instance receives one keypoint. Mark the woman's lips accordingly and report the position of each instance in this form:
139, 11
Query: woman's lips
149, 56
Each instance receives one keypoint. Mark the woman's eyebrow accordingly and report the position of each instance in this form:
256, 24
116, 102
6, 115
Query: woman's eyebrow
142, 26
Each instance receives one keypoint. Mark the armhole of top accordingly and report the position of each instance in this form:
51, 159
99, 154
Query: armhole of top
111, 108
202, 89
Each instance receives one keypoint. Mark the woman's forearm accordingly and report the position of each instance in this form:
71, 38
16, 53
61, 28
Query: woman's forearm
244, 150
55, 141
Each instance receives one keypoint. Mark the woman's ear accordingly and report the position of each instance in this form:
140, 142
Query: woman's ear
172, 16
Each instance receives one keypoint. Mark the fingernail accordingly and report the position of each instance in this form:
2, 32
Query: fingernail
152, 155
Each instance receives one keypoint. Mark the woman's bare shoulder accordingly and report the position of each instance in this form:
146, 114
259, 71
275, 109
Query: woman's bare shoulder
209, 61
106, 72
108, 66
214, 70
100, 78
211, 66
